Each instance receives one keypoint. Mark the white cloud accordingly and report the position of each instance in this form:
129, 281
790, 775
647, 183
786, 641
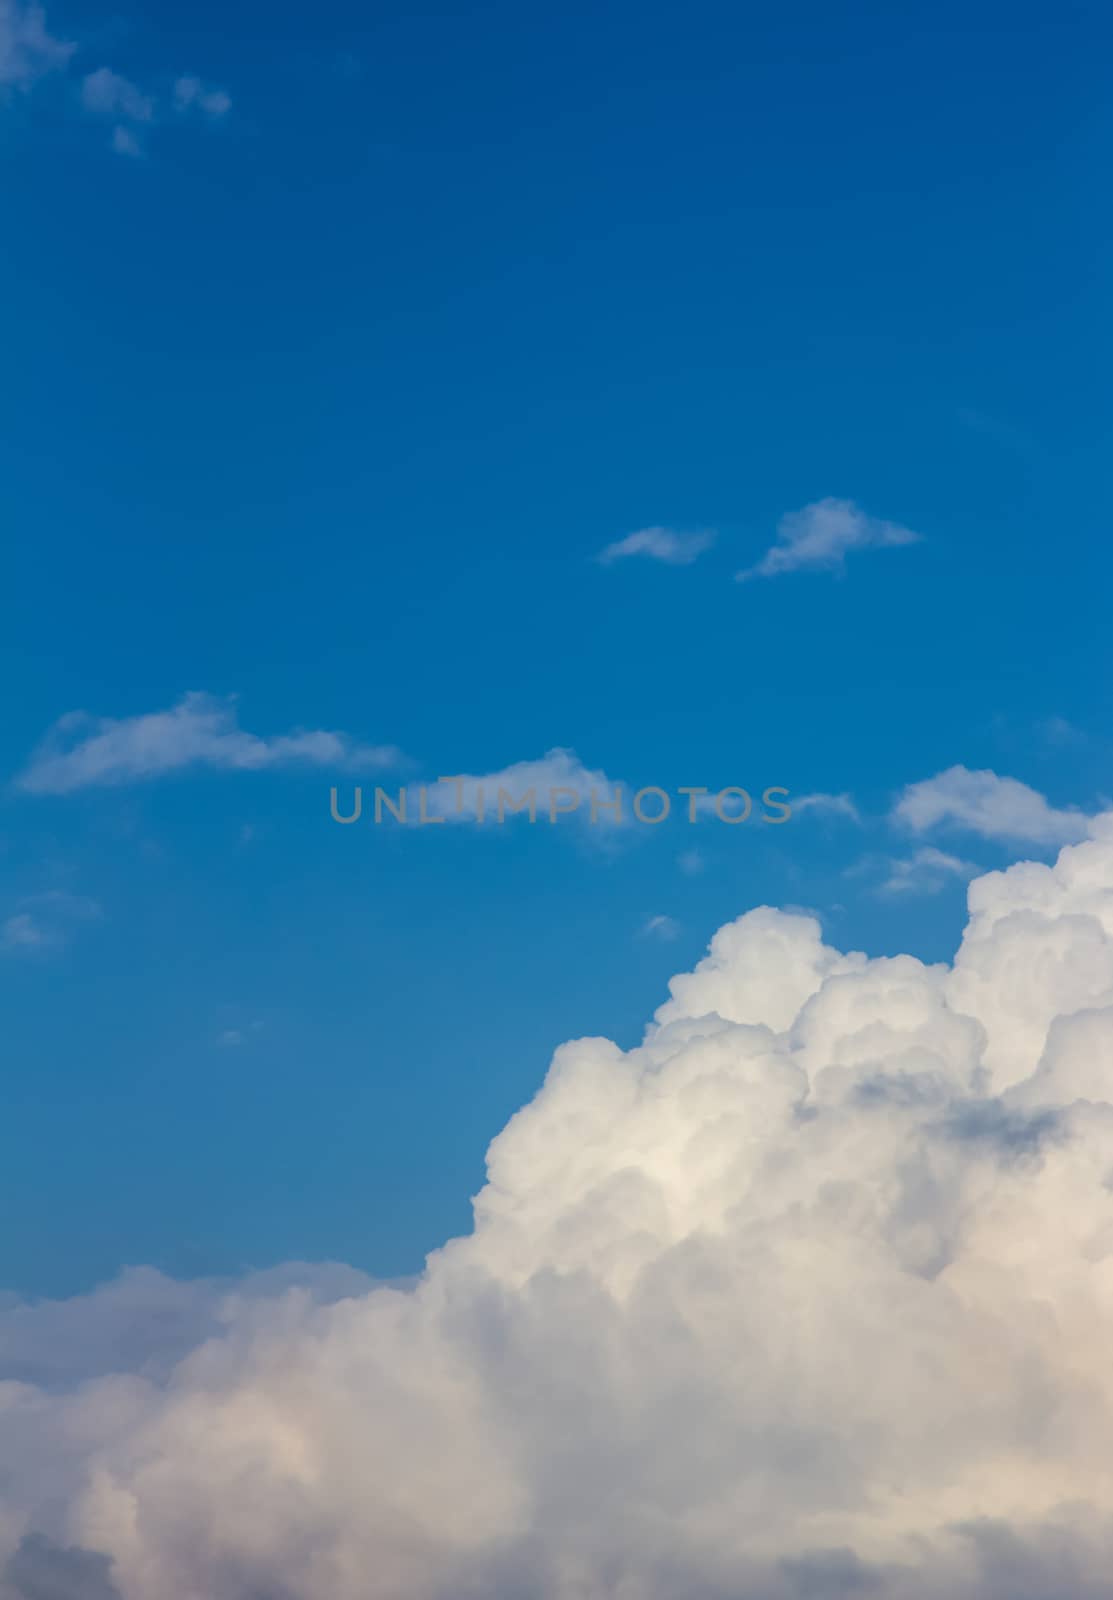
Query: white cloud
191, 93
925, 872
661, 927
124, 142
658, 544
983, 803
28, 50
109, 95
820, 536
45, 922
560, 785
807, 1296
82, 752
831, 805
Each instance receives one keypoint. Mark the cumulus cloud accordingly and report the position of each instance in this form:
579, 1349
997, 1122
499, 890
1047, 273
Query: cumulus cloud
82, 752
983, 803
820, 536
658, 544
805, 1296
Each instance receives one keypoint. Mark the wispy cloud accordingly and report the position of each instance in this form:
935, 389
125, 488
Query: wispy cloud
820, 536
926, 872
28, 50
661, 927
830, 805
985, 804
658, 544
190, 94
45, 922
82, 752
691, 863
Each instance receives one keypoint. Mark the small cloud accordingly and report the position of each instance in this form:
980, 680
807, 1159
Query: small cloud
106, 93
691, 863
28, 51
926, 872
191, 94
660, 927
81, 752
22, 932
45, 922
830, 805
1060, 733
554, 786
658, 544
124, 142
983, 803
819, 537
230, 1038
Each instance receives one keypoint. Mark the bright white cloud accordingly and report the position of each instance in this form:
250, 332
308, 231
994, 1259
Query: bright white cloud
28, 50
983, 803
658, 544
83, 752
192, 94
807, 1296
820, 537
925, 872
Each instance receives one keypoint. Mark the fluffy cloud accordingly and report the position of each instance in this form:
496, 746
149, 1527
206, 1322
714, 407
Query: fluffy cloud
28, 50
820, 536
806, 1296
658, 544
82, 752
983, 803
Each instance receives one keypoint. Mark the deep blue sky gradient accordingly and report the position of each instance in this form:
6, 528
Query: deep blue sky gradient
330, 407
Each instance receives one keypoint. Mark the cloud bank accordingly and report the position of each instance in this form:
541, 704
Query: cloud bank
807, 1296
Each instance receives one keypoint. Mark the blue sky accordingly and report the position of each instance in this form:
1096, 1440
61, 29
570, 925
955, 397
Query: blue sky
328, 380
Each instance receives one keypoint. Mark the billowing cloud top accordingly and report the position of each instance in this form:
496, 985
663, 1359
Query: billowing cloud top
807, 1296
